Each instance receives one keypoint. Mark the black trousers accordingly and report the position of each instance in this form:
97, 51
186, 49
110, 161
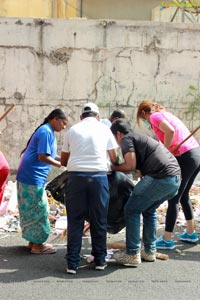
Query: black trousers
190, 166
87, 194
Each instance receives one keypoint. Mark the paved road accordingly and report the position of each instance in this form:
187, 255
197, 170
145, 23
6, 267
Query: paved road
27, 276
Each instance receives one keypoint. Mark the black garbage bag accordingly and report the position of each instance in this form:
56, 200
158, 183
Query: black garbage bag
57, 187
120, 187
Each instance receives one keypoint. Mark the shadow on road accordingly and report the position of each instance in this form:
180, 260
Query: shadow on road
18, 265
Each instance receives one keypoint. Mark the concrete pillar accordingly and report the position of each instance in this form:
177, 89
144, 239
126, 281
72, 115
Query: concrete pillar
59, 9
73, 8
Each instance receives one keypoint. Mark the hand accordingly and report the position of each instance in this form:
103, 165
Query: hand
62, 169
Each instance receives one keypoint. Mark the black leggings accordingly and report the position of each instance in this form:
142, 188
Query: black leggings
190, 166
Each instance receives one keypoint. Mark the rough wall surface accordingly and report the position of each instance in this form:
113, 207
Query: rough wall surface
48, 63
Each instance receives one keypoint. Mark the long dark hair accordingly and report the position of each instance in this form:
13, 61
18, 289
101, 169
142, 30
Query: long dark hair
56, 113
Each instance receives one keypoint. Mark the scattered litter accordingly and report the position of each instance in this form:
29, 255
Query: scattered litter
61, 224
10, 223
177, 251
3, 237
9, 215
86, 237
89, 258
180, 252
9, 202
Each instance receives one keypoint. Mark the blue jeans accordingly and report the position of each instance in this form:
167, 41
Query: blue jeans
87, 195
147, 195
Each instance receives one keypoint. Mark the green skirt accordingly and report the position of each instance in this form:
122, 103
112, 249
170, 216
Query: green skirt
33, 211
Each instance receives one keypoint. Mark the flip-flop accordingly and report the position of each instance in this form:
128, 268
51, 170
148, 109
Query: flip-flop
45, 249
29, 246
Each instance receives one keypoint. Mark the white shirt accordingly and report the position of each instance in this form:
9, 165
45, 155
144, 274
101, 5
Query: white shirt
106, 122
88, 143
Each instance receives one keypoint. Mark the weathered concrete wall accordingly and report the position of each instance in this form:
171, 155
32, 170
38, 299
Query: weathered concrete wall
49, 63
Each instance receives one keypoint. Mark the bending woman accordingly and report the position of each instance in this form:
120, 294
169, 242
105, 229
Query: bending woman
171, 131
38, 157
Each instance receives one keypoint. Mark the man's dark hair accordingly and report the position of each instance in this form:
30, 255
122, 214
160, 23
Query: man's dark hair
88, 114
118, 113
122, 126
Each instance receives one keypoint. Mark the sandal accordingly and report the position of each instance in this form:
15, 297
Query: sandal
43, 249
30, 245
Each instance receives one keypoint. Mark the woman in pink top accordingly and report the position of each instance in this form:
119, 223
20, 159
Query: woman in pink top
171, 131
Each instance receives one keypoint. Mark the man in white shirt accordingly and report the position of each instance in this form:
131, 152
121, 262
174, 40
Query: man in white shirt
84, 152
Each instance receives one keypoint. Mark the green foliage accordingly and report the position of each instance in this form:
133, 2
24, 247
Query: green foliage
194, 106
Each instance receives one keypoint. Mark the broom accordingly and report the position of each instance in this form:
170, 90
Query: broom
122, 246
192, 133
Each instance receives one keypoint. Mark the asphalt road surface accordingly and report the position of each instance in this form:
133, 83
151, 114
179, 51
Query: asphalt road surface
32, 276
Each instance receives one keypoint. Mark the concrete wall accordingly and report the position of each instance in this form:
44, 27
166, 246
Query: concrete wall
49, 63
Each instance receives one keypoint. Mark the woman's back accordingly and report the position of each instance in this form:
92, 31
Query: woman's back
181, 131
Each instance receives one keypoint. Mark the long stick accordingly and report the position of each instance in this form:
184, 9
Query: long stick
192, 133
7, 111
122, 246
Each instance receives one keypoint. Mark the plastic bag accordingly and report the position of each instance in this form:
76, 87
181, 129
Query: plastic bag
57, 187
120, 187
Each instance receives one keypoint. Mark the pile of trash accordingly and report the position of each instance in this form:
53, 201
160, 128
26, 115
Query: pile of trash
195, 199
9, 214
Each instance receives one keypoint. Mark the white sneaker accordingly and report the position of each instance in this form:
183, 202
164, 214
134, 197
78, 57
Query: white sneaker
70, 271
101, 266
150, 257
128, 260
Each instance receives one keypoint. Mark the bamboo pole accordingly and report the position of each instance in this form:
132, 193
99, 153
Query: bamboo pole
7, 111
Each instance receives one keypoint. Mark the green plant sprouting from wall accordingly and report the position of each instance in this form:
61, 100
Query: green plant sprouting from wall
194, 106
